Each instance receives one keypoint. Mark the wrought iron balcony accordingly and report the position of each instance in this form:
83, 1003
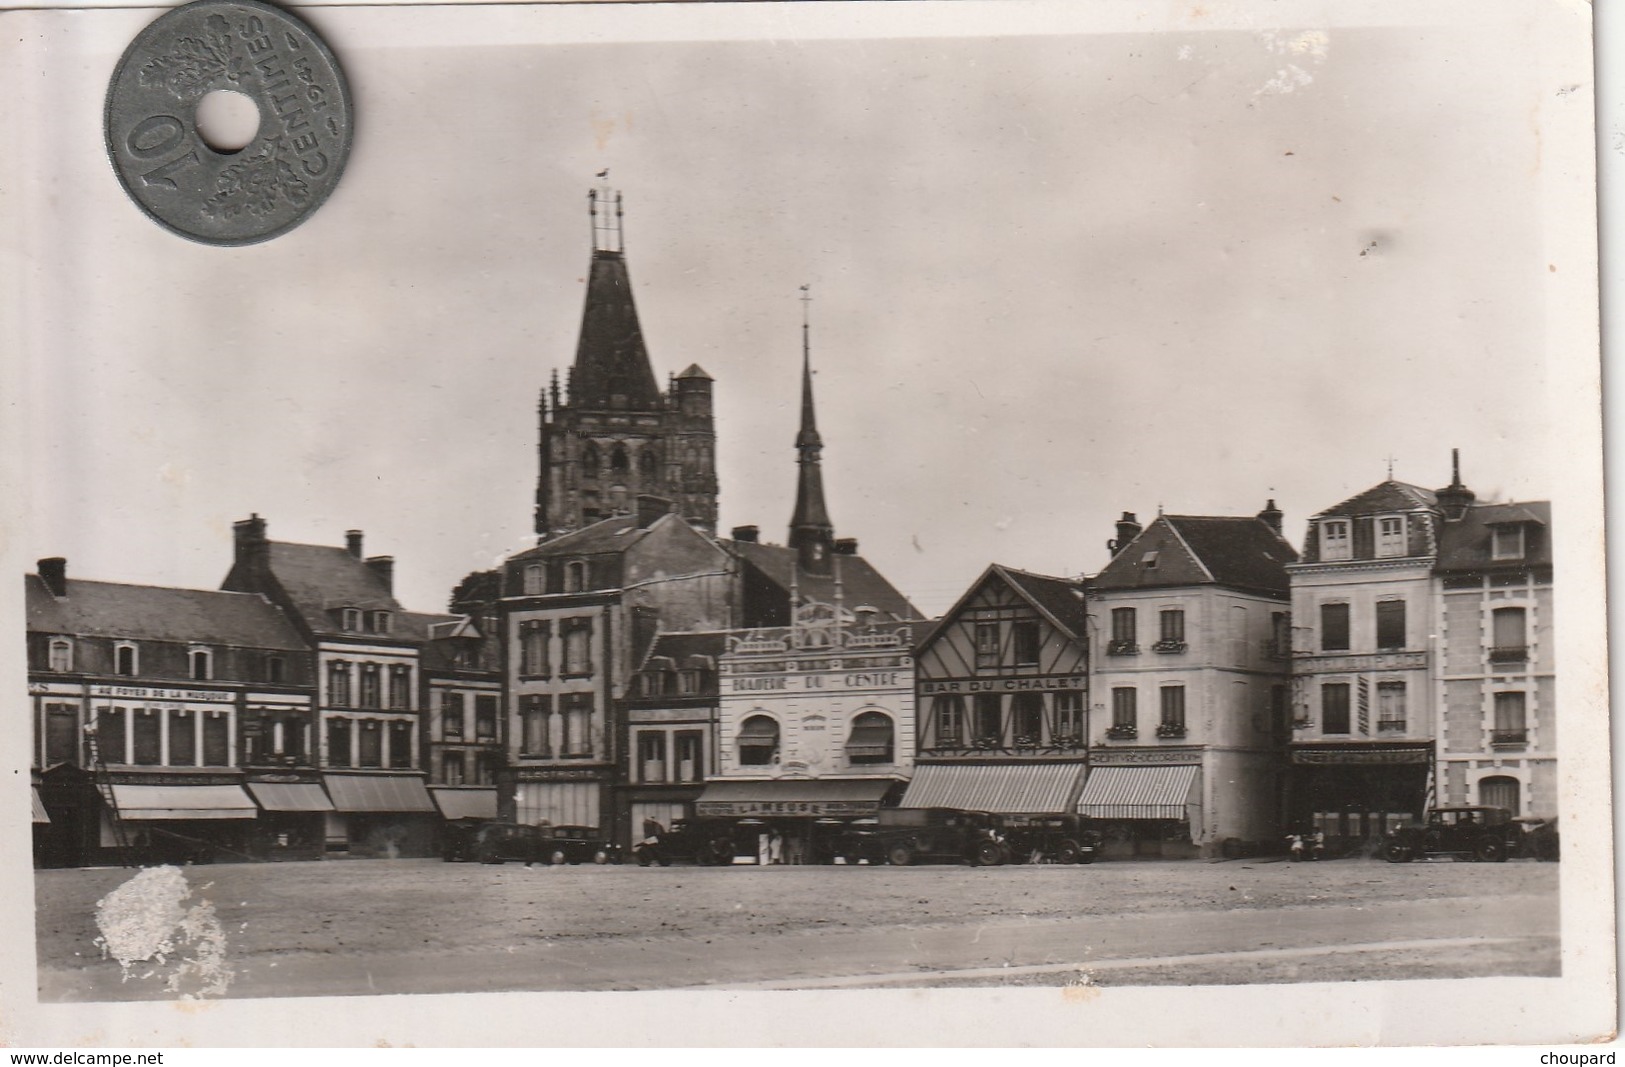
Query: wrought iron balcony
1509, 654
1168, 644
1171, 729
1122, 733
1390, 726
1122, 648
1509, 737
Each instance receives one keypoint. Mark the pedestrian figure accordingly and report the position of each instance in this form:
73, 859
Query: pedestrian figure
1295, 842
775, 847
648, 849
1317, 847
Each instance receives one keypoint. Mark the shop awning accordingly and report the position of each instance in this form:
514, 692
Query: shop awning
869, 741
39, 807
1139, 792
1035, 788
361, 793
805, 796
149, 802
463, 803
759, 727
290, 796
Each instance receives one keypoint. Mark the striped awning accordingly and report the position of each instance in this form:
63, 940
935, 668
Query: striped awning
151, 802
1139, 792
793, 796
1032, 789
869, 741
361, 793
290, 796
39, 807
464, 803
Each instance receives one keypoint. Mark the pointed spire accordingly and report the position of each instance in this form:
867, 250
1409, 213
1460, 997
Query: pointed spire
811, 533
612, 369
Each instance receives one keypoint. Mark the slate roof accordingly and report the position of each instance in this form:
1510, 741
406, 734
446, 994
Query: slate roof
318, 579
614, 534
1384, 498
678, 647
159, 613
1180, 550
861, 584
1464, 545
1060, 598
610, 356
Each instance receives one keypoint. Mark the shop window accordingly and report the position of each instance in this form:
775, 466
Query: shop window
400, 687
1507, 541
1024, 636
533, 637
216, 739
1501, 791
60, 656
1172, 722
535, 580
1510, 725
485, 718
111, 739
871, 740
1391, 707
371, 744
182, 739
988, 726
1125, 713
338, 684
1125, 640
576, 715
369, 686
1334, 627
651, 756
1334, 540
338, 742
125, 660
451, 768
1334, 708
148, 737
1390, 536
400, 745
1068, 729
948, 712
987, 645
758, 742
1027, 720
1390, 624
578, 648
451, 716
1509, 640
61, 734
690, 756
534, 712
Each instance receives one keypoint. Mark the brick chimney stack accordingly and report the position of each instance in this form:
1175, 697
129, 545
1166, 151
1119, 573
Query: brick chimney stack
384, 568
53, 571
352, 542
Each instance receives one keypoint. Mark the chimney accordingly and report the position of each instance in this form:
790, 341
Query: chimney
846, 546
384, 568
1128, 528
53, 571
650, 509
748, 534
1272, 516
352, 541
1455, 499
249, 540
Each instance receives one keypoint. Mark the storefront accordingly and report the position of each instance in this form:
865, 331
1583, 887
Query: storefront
1006, 788
293, 816
1149, 803
182, 823
561, 796
801, 813
380, 815
1355, 793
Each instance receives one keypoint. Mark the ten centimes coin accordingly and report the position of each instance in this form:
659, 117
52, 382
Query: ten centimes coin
254, 193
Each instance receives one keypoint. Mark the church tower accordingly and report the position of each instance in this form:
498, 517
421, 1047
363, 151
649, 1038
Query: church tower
811, 533
611, 434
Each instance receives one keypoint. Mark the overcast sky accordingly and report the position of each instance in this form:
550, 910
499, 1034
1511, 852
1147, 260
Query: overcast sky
1054, 278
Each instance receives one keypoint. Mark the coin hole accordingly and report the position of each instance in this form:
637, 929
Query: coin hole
227, 120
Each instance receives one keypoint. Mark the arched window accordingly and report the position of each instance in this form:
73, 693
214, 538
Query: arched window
535, 580
648, 465
1501, 791
575, 576
758, 742
619, 461
124, 660
202, 665
589, 460
61, 656
871, 739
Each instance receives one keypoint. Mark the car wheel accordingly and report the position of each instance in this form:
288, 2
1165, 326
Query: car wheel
1490, 850
643, 857
900, 856
988, 854
1068, 852
557, 858
600, 857
490, 857
1394, 852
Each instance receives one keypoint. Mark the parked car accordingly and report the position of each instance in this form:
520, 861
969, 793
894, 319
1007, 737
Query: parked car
1481, 833
459, 840
904, 836
707, 842
579, 844
1056, 838
498, 842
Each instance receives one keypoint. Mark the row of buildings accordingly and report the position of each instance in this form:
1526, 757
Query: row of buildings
1208, 689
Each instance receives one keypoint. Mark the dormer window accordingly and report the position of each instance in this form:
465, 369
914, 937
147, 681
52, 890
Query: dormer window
535, 580
202, 661
1334, 539
61, 655
1507, 541
1390, 536
1149, 560
125, 661
378, 622
575, 576
352, 620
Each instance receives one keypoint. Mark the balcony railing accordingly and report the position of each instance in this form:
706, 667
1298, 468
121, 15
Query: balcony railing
1509, 654
1122, 647
1171, 729
1168, 644
1509, 737
1390, 726
1122, 733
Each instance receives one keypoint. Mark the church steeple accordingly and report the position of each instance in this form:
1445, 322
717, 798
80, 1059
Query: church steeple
811, 533
612, 370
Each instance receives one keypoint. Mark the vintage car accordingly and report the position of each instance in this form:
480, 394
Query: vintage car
1480, 833
458, 840
579, 844
904, 836
1052, 838
498, 842
707, 842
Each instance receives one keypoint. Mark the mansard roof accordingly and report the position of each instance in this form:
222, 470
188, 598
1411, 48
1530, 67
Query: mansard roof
1466, 544
1385, 497
159, 613
1238, 552
611, 359
687, 649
